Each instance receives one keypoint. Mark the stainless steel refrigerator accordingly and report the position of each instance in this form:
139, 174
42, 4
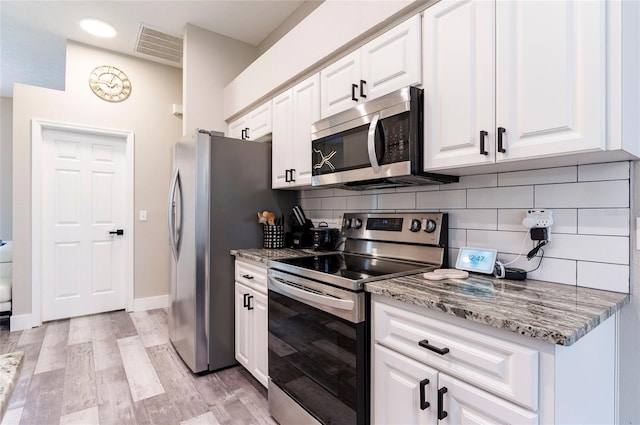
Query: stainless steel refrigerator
217, 187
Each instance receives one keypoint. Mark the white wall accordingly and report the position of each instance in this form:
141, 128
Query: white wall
6, 137
147, 112
589, 241
210, 62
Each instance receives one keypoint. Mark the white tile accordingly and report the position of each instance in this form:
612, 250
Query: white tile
304, 194
441, 199
205, 419
311, 203
316, 214
543, 176
610, 194
553, 270
83, 417
503, 242
453, 256
511, 219
12, 417
334, 203
501, 197
457, 238
606, 221
397, 201
319, 193
565, 220
604, 249
610, 277
608, 171
362, 202
473, 182
473, 219
142, 377
426, 188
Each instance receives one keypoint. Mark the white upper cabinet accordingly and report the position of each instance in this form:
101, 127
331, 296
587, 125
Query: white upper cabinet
459, 88
541, 66
550, 77
387, 63
253, 126
293, 113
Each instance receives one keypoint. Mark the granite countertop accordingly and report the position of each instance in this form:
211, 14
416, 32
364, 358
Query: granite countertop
9, 368
550, 312
260, 255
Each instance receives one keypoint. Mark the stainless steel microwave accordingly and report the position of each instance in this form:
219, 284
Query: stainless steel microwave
375, 144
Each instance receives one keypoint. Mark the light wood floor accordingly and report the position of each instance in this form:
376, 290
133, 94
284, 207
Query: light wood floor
119, 368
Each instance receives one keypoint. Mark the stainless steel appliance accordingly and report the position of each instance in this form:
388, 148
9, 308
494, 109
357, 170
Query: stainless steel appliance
376, 144
217, 186
319, 318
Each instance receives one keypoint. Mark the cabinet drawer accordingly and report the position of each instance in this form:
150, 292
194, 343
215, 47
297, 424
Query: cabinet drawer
496, 365
251, 275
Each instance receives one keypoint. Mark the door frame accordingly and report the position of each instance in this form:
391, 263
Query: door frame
37, 127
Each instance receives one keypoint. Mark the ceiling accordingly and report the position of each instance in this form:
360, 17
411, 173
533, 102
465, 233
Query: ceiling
33, 34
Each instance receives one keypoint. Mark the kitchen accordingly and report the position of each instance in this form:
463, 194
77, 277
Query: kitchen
483, 206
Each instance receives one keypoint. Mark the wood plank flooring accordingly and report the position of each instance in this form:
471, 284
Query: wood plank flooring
119, 368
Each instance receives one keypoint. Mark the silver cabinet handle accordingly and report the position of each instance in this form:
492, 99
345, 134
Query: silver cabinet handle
301, 294
371, 144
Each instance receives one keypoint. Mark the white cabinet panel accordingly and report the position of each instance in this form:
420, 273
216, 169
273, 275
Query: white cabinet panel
260, 368
551, 77
281, 154
337, 82
392, 60
253, 126
459, 89
236, 128
397, 385
242, 325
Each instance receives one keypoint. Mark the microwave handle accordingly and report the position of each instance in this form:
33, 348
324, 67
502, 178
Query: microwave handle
371, 144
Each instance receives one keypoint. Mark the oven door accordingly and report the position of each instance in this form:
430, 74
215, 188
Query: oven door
318, 350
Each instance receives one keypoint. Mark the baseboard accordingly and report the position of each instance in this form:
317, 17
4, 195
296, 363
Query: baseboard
20, 322
151, 303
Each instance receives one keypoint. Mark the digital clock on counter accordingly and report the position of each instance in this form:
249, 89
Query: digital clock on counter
479, 260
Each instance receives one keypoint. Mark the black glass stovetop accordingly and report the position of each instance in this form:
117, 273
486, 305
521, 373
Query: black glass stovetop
350, 271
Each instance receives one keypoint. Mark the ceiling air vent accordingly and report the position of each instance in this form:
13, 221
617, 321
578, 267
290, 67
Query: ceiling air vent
159, 44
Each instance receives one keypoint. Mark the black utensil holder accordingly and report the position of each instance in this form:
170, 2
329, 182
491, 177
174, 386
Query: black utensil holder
273, 237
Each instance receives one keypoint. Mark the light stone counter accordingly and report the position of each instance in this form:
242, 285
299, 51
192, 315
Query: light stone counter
550, 312
260, 255
9, 370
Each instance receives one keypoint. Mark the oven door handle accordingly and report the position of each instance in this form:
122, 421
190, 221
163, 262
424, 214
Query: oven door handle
371, 144
302, 295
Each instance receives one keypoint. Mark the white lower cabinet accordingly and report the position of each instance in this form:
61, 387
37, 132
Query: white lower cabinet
251, 305
433, 368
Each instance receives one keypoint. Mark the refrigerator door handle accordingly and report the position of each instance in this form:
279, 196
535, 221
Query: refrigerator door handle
172, 213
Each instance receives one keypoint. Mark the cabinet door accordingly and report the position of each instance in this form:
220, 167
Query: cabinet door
260, 368
306, 111
259, 121
281, 151
336, 82
466, 404
235, 128
459, 90
242, 326
392, 60
397, 383
550, 76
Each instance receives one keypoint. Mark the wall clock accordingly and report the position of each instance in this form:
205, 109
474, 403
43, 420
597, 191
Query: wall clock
110, 83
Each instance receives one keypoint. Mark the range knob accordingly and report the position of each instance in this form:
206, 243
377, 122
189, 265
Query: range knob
357, 223
429, 225
346, 223
414, 225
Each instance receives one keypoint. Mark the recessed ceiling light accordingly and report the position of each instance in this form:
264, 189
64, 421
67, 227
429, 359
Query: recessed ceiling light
97, 27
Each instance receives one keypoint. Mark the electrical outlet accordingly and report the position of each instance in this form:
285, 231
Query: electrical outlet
538, 218
143, 215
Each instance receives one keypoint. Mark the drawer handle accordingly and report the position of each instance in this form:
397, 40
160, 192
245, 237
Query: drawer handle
247, 276
425, 344
423, 402
441, 412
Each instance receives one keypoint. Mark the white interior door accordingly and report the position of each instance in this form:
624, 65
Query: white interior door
83, 200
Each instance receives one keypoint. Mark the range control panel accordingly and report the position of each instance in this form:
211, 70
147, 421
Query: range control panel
424, 228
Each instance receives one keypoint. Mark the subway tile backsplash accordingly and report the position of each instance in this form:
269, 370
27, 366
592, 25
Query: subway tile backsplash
590, 242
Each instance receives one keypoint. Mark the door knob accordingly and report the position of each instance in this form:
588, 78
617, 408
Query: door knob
118, 232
